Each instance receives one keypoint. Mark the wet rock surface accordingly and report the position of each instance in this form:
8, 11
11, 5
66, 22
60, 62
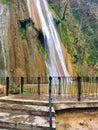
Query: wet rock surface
78, 119
24, 114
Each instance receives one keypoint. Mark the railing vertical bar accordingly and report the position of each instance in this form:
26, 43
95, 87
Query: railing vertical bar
59, 91
96, 86
89, 84
79, 88
22, 83
50, 102
7, 86
38, 85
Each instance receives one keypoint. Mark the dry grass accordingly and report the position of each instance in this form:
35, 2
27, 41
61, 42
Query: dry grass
2, 89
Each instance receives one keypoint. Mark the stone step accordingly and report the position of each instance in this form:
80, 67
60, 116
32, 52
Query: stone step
25, 109
23, 101
24, 122
22, 114
1, 128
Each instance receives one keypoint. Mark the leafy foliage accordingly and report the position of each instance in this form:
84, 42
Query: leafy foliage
23, 25
22, 32
88, 20
78, 32
5, 1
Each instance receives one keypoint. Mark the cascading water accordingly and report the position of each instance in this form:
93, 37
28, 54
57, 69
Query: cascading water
3, 53
56, 64
3, 35
28, 4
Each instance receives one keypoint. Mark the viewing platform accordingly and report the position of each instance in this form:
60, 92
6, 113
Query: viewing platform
32, 99
58, 102
31, 111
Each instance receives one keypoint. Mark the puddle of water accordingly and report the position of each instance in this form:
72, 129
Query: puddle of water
77, 119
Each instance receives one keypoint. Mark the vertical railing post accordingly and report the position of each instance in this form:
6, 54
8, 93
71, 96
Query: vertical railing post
96, 84
96, 80
22, 83
59, 92
38, 85
79, 88
50, 102
7, 86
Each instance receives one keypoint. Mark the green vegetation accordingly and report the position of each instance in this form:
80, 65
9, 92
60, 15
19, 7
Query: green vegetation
23, 25
58, 9
25, 91
41, 45
89, 27
42, 50
73, 39
5, 1
78, 32
22, 33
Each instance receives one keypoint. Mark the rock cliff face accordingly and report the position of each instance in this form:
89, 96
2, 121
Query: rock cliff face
21, 49
24, 49
17, 46
21, 42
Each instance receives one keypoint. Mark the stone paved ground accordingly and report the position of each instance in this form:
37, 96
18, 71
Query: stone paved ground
23, 114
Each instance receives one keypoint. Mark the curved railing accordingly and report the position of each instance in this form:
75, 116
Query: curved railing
76, 88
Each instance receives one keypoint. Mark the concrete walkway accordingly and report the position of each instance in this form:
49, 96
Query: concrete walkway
59, 102
31, 112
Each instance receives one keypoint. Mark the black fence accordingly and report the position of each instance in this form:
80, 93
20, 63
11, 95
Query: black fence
77, 88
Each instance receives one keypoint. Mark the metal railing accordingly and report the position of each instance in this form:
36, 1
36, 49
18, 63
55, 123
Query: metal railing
77, 88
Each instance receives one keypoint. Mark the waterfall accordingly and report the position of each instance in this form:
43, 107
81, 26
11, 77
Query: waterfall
28, 4
2, 39
3, 53
55, 63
